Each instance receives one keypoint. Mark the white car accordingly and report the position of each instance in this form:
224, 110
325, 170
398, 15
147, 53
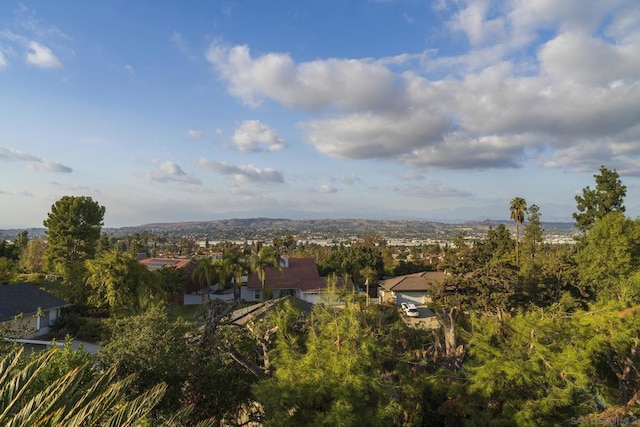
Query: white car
410, 309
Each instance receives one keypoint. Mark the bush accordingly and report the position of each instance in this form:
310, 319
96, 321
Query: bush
91, 330
72, 323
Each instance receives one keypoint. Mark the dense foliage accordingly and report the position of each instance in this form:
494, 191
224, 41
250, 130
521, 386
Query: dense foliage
529, 333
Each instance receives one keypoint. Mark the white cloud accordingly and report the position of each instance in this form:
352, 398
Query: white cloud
41, 56
252, 134
196, 134
473, 21
326, 189
170, 172
432, 190
307, 86
540, 81
33, 162
179, 42
564, 58
246, 173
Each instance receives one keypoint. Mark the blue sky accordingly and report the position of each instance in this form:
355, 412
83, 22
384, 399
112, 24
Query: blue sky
200, 110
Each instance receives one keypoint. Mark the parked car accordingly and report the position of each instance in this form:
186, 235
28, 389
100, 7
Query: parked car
410, 309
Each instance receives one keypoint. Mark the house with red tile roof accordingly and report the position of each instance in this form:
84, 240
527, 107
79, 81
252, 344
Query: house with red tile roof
299, 277
411, 288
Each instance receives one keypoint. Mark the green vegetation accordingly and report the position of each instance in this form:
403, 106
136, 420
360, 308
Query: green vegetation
529, 333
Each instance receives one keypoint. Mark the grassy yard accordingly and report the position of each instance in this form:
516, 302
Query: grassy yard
187, 312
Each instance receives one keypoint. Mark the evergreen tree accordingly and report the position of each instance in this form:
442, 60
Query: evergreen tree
73, 230
338, 372
530, 369
607, 197
611, 253
533, 233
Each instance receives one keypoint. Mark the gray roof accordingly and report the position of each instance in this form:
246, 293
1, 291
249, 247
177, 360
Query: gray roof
24, 298
420, 282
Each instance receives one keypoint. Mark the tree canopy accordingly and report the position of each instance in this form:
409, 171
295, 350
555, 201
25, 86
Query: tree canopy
607, 197
73, 230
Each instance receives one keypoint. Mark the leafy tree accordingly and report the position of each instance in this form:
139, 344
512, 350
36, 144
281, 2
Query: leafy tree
172, 280
284, 244
153, 348
557, 274
119, 282
21, 240
62, 360
216, 387
349, 261
32, 256
496, 245
518, 208
73, 230
9, 250
493, 288
607, 197
105, 243
8, 271
611, 253
461, 259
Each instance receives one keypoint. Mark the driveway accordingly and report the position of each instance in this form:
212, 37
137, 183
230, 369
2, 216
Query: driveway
426, 320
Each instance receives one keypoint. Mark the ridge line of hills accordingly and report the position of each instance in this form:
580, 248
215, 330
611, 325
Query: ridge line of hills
266, 228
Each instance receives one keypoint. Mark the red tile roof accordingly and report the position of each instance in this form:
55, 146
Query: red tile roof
302, 273
157, 263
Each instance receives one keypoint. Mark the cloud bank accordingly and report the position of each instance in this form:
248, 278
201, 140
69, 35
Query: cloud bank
557, 85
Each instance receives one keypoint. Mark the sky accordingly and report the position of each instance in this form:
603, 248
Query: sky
171, 111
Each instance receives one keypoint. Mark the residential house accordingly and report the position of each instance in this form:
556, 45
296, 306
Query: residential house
39, 309
187, 266
299, 277
411, 288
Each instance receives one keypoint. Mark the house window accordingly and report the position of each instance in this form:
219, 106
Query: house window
257, 294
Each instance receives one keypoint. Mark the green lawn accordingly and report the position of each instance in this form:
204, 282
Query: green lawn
187, 312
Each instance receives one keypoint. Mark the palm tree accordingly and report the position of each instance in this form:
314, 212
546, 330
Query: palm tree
234, 261
205, 272
265, 258
369, 275
79, 397
518, 208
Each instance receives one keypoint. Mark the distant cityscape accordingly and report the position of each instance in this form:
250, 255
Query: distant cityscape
322, 231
